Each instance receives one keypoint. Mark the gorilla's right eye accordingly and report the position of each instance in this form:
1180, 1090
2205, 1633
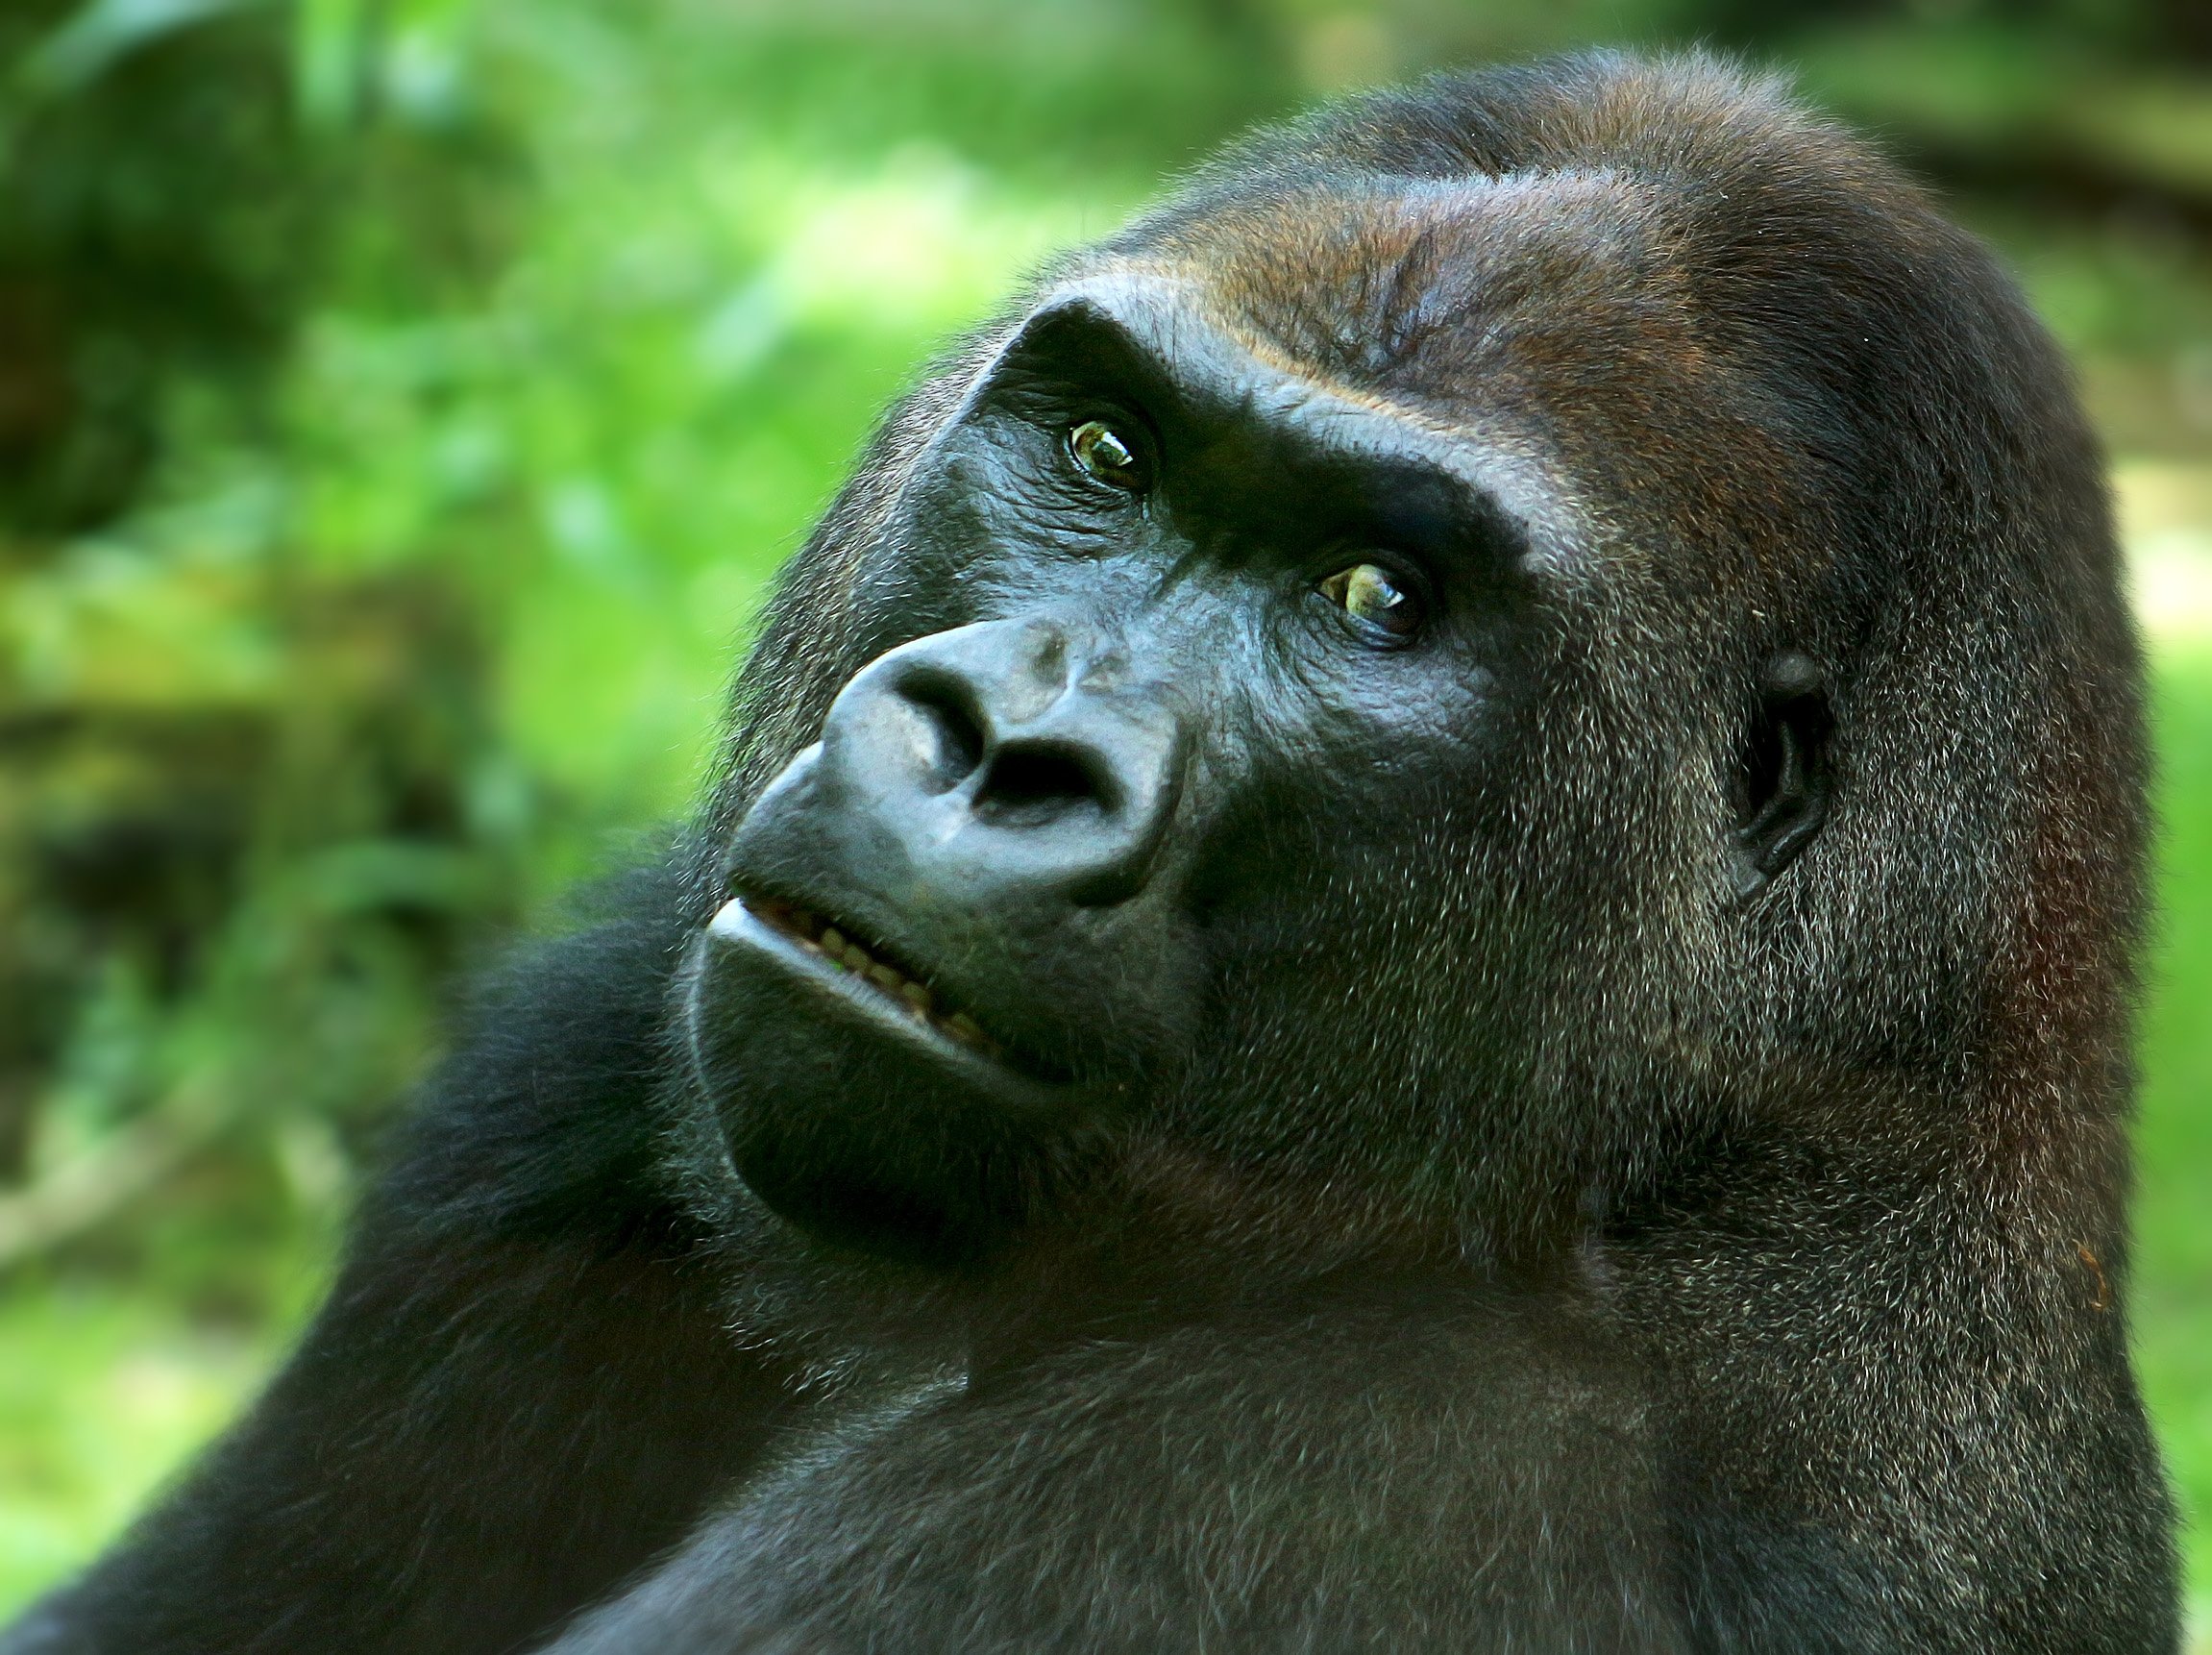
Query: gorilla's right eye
1369, 596
1104, 453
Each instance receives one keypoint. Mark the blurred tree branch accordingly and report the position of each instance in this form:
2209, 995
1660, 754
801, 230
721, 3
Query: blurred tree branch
86, 1191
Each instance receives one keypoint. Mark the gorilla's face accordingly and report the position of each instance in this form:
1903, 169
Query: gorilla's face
1179, 789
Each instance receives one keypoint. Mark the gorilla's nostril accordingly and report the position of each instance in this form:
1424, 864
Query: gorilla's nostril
954, 728
1028, 783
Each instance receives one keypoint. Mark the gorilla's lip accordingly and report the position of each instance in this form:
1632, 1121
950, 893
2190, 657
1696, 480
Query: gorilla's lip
870, 969
790, 936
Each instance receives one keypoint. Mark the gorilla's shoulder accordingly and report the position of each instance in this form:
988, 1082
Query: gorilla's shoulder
548, 1114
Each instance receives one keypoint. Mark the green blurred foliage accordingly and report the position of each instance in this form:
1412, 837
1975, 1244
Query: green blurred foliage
2174, 1282
403, 404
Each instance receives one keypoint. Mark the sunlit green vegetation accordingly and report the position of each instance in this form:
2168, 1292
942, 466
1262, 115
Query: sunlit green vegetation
439, 382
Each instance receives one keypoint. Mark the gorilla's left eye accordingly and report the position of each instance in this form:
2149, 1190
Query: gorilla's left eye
1104, 453
1370, 596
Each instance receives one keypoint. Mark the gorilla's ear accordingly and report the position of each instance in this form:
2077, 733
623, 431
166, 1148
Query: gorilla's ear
1783, 780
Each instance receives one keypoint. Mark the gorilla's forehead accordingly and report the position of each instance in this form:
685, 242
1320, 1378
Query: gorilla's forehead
1445, 293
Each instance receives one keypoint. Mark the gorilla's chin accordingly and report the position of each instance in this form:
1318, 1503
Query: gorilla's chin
861, 1113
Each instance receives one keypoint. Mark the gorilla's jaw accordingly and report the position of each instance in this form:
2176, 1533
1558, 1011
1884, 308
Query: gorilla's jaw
862, 1114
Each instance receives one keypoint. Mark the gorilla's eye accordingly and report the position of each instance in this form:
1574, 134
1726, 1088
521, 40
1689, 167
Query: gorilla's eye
1369, 596
1101, 451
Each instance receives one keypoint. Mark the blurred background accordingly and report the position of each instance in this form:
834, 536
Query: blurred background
403, 401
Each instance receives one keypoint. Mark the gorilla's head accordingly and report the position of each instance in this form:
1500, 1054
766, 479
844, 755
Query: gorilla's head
1507, 629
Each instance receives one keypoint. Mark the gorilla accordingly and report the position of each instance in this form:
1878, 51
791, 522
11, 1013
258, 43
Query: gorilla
1418, 934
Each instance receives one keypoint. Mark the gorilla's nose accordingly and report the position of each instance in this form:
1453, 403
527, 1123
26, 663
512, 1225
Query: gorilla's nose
989, 817
1009, 760
983, 801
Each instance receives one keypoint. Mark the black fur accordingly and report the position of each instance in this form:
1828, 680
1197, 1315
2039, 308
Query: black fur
1600, 1131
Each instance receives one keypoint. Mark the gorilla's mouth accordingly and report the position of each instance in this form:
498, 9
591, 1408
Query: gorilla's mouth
870, 970
856, 1103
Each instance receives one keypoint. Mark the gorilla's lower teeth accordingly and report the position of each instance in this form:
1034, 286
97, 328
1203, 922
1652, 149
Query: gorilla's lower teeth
916, 999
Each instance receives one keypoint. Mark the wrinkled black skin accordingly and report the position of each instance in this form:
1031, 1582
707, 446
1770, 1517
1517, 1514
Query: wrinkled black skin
1596, 1128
